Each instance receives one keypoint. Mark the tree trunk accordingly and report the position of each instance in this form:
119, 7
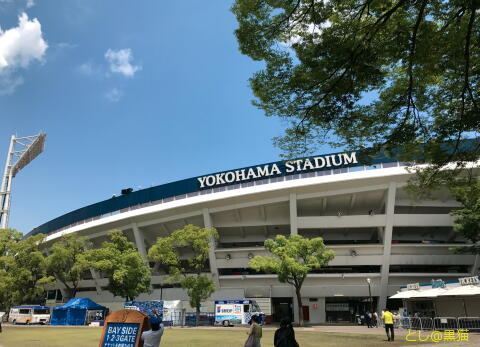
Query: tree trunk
300, 306
71, 293
197, 315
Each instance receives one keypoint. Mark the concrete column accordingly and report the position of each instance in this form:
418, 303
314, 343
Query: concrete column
96, 278
387, 244
475, 265
293, 214
139, 241
207, 221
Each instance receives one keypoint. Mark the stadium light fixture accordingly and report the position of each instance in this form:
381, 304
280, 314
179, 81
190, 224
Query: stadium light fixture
21, 152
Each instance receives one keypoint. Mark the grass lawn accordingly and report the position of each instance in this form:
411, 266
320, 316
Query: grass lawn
186, 337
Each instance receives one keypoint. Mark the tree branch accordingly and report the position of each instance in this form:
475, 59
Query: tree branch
413, 45
466, 82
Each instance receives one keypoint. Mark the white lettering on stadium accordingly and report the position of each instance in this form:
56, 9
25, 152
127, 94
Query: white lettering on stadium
291, 166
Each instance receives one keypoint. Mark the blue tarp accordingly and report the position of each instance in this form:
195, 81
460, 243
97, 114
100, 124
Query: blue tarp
74, 312
145, 307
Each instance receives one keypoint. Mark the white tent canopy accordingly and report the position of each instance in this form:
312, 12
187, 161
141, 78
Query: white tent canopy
429, 293
436, 292
462, 291
404, 295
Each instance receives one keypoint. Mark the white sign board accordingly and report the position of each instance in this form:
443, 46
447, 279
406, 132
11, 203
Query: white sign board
413, 286
464, 281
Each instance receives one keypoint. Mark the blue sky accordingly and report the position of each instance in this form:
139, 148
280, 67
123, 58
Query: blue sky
130, 94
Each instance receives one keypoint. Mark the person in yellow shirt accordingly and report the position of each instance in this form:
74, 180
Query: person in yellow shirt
387, 317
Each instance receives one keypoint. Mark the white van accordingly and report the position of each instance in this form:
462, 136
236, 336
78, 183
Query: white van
29, 315
236, 312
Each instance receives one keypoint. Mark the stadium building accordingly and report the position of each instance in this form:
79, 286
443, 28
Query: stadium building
382, 239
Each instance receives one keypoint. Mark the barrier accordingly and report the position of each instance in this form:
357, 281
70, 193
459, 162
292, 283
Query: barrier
415, 323
445, 323
469, 323
205, 319
439, 323
180, 318
426, 323
404, 323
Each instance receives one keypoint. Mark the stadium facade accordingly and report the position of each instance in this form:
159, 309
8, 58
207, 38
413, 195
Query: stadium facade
361, 210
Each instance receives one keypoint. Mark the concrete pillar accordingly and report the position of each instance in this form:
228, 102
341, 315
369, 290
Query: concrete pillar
139, 241
96, 277
293, 214
387, 244
475, 265
317, 315
207, 221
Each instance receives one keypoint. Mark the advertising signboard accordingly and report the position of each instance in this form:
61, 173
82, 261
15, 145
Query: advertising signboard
124, 328
121, 335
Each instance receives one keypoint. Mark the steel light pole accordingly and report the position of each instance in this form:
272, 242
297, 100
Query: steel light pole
21, 152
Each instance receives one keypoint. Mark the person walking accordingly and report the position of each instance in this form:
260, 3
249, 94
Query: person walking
153, 337
285, 335
375, 319
254, 333
368, 318
387, 317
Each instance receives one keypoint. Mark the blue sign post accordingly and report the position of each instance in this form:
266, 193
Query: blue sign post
124, 328
121, 335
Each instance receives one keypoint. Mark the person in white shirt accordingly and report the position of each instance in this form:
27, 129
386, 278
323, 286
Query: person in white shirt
152, 337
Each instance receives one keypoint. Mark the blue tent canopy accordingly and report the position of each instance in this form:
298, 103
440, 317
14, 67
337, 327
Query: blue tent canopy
74, 312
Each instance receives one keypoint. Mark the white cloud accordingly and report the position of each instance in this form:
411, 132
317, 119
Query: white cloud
22, 44
120, 62
9, 82
28, 3
86, 69
19, 46
113, 95
66, 45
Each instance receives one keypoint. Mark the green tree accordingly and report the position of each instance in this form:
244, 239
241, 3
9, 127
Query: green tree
185, 254
293, 258
67, 261
23, 268
386, 75
8, 238
467, 218
128, 273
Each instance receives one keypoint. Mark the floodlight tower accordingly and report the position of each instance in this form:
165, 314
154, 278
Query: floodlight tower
21, 152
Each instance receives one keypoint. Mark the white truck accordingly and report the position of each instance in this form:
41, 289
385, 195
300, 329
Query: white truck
236, 312
29, 314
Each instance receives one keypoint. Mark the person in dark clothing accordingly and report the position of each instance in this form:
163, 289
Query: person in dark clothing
285, 335
368, 319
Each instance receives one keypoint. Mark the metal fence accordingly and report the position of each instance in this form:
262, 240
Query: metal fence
445, 323
175, 318
438, 323
470, 323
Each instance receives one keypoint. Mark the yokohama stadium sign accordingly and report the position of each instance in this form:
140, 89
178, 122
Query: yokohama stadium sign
290, 167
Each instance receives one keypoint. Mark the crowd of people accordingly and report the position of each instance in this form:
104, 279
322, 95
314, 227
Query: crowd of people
389, 321
284, 336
